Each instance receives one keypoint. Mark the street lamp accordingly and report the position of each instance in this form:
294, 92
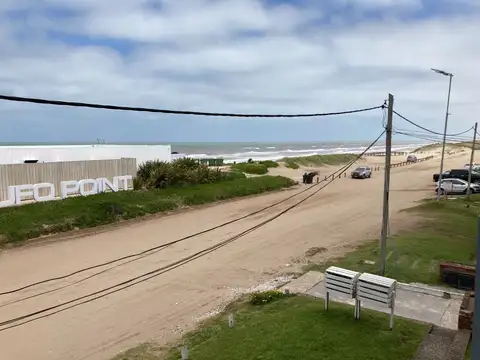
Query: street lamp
441, 72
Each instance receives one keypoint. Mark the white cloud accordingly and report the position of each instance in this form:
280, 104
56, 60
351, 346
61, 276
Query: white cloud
241, 55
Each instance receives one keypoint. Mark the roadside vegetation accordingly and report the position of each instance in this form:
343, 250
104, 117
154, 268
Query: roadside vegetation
181, 172
295, 327
254, 167
447, 231
250, 168
319, 160
29, 221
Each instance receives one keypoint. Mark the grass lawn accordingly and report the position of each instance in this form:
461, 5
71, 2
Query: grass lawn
297, 328
21, 223
447, 232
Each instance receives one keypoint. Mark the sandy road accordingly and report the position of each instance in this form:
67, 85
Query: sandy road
342, 214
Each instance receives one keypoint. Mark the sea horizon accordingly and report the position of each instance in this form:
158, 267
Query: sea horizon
242, 151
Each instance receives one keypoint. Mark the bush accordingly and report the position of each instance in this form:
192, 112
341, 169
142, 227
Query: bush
291, 165
181, 172
29, 221
251, 168
269, 163
266, 297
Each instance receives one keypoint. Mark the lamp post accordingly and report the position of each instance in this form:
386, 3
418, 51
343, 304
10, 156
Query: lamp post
444, 73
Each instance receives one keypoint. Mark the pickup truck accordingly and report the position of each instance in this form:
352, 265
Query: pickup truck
458, 174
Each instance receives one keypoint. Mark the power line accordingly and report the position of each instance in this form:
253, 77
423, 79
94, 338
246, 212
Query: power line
428, 137
176, 112
151, 274
428, 130
151, 250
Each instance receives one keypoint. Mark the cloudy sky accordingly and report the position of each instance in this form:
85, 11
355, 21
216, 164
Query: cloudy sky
268, 56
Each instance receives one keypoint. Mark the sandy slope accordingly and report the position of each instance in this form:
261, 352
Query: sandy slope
338, 217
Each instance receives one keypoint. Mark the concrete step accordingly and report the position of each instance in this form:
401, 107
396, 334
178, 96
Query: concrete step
436, 345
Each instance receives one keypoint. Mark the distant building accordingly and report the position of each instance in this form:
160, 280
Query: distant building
54, 153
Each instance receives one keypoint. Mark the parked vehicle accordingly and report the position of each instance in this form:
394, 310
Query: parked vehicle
458, 174
457, 186
308, 177
411, 158
362, 172
475, 167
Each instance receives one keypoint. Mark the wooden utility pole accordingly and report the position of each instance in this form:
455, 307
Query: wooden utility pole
386, 186
471, 159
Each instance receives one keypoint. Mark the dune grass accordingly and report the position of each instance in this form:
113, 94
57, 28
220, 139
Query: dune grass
251, 168
21, 223
447, 232
269, 163
298, 328
319, 160
291, 165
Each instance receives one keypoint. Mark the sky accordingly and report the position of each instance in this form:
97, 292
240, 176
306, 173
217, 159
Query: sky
250, 56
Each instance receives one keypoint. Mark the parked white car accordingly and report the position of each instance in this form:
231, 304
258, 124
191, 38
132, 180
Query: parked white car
457, 186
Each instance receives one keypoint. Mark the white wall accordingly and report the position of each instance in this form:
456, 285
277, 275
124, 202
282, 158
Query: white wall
142, 153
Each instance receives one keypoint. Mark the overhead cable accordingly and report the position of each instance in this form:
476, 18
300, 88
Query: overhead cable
47, 312
175, 112
151, 250
429, 138
409, 132
428, 130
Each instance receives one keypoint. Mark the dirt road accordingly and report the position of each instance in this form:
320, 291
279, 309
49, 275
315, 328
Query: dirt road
342, 214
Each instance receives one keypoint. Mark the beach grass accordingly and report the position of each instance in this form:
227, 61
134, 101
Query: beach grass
297, 327
251, 168
269, 163
319, 160
438, 146
446, 231
291, 165
21, 223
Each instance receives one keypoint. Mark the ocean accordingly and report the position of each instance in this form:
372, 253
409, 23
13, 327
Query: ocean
242, 151
239, 152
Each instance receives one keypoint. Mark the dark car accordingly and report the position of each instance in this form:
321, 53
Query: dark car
362, 172
458, 174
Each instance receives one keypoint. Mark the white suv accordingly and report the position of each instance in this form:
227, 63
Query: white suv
457, 186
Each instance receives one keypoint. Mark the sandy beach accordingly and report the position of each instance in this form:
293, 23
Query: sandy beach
337, 218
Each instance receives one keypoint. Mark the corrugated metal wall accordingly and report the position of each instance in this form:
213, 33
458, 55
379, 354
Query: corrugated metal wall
56, 172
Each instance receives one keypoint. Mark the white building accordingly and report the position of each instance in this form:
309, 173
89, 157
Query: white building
54, 153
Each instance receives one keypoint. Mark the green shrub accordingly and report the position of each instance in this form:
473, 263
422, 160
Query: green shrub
269, 163
181, 172
291, 165
265, 297
251, 168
